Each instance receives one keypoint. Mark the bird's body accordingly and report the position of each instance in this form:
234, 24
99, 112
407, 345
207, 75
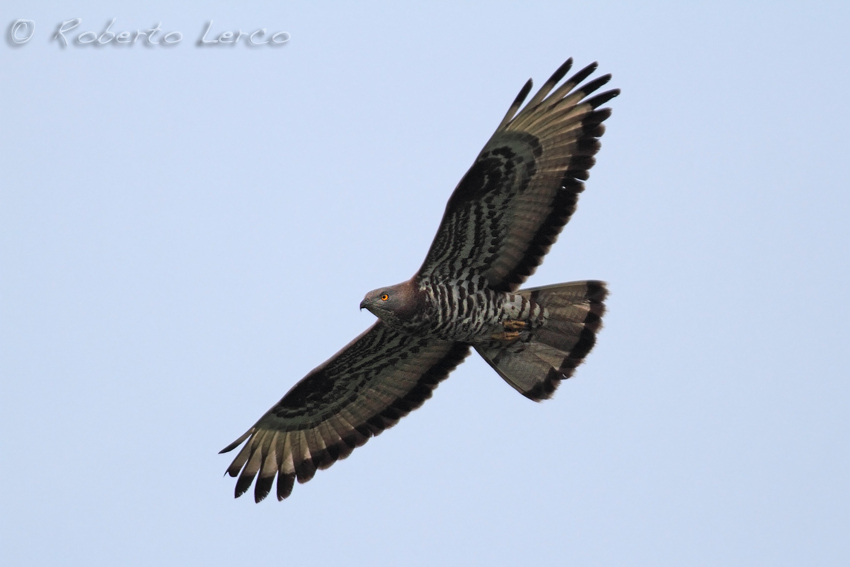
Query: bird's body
466, 312
499, 223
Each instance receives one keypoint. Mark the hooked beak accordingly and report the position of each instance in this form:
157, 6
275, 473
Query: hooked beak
368, 304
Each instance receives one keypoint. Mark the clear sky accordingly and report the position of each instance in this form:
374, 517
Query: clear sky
186, 231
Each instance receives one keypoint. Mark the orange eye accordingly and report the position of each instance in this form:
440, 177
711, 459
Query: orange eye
384, 297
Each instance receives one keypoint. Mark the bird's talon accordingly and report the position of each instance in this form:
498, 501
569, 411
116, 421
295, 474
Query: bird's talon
506, 336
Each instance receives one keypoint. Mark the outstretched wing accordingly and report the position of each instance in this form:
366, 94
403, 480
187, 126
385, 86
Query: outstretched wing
522, 189
369, 385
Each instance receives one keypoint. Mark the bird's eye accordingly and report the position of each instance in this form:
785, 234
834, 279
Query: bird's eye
384, 297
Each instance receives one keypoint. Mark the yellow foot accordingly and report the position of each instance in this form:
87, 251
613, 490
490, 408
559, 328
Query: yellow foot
513, 324
507, 336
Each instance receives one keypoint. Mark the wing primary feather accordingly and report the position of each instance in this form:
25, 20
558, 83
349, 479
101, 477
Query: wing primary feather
560, 95
344, 445
516, 104
316, 445
262, 487
294, 438
285, 482
269, 469
240, 459
550, 84
286, 461
305, 469
250, 470
595, 84
582, 74
331, 439
237, 442
602, 98
595, 119
353, 437
378, 424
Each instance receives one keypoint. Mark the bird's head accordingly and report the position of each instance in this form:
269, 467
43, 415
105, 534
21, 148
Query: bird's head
395, 304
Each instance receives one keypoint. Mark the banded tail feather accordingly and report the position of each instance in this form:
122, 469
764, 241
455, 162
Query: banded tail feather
537, 364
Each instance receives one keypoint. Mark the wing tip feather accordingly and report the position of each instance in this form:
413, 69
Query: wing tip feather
238, 442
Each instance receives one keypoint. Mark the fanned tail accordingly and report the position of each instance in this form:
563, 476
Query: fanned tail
536, 364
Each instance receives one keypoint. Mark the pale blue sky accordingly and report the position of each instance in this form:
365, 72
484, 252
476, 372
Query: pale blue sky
187, 231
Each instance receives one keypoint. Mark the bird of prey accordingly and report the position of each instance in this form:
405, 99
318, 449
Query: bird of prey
500, 221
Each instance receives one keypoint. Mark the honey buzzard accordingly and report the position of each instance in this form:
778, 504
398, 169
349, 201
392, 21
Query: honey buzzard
499, 223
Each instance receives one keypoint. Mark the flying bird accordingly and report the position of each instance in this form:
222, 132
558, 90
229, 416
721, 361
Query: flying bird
500, 221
